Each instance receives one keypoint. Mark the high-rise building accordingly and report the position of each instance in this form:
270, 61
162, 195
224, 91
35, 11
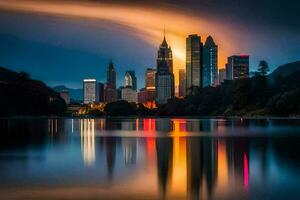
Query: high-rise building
210, 63
111, 75
164, 77
194, 61
222, 75
147, 97
182, 82
237, 67
130, 80
110, 94
150, 79
100, 94
129, 94
89, 91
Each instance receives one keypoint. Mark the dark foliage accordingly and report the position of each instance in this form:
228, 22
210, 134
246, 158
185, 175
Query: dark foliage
253, 96
21, 95
120, 108
96, 113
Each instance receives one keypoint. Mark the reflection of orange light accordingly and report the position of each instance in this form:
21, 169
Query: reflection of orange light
150, 148
222, 164
179, 177
149, 125
246, 172
179, 127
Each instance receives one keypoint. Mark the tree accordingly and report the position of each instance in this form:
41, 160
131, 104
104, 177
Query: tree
263, 68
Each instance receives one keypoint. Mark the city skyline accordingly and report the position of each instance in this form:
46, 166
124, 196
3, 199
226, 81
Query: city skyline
75, 40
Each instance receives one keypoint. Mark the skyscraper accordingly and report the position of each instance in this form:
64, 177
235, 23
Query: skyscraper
182, 82
150, 79
89, 91
130, 80
164, 77
210, 63
100, 90
147, 95
128, 92
194, 61
237, 67
110, 87
111, 75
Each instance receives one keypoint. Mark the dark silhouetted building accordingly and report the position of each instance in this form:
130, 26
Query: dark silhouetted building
210, 63
237, 67
100, 89
222, 75
164, 77
110, 88
111, 75
182, 83
194, 61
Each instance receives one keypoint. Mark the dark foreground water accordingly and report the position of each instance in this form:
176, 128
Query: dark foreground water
149, 159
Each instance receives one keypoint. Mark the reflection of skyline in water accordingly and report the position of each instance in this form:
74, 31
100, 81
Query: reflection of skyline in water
87, 135
174, 165
187, 167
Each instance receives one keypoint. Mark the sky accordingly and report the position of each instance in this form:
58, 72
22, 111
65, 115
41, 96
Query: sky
63, 42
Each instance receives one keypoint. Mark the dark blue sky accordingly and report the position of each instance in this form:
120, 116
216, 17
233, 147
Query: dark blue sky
63, 50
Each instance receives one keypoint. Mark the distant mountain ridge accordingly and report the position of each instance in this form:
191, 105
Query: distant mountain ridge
75, 94
285, 70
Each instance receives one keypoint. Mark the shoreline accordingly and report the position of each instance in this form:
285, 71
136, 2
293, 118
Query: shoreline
154, 117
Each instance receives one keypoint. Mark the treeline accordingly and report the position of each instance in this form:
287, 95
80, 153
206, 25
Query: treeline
255, 96
22, 96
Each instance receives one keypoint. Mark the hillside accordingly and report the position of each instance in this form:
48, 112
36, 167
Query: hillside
285, 70
21, 95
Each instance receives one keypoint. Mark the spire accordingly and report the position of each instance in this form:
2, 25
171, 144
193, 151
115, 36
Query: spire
164, 43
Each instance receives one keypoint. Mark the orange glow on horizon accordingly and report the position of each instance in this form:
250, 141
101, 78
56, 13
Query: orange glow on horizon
145, 23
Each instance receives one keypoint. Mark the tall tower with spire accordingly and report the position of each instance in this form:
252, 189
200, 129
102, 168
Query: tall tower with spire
164, 78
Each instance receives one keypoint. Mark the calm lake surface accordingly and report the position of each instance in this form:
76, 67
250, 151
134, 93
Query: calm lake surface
150, 159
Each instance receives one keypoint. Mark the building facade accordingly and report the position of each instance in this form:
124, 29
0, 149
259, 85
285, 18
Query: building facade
182, 83
129, 94
237, 67
89, 91
150, 79
210, 63
194, 61
164, 77
130, 80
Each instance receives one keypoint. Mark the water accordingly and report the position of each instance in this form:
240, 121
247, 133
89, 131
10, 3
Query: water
149, 159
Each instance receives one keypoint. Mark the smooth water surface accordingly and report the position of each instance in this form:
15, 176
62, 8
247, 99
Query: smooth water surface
149, 159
